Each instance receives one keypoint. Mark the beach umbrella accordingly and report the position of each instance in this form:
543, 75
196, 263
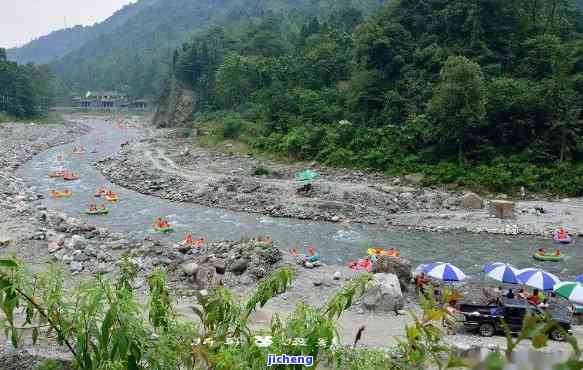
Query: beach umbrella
579, 279
537, 278
572, 291
444, 271
421, 268
306, 175
502, 272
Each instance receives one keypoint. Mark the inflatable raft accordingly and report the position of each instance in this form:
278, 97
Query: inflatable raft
70, 177
376, 252
112, 198
313, 258
54, 174
163, 230
100, 211
61, 194
565, 239
362, 264
552, 257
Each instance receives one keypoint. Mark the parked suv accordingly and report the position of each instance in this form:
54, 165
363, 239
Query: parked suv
487, 320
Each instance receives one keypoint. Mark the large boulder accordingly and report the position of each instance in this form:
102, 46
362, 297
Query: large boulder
472, 201
384, 294
395, 265
206, 277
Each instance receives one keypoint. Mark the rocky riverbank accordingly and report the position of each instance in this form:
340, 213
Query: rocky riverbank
169, 167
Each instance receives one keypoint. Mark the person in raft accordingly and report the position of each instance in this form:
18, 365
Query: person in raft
160, 222
558, 253
92, 208
541, 251
102, 207
562, 233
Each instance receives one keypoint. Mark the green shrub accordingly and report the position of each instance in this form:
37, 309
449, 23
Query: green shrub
232, 128
261, 171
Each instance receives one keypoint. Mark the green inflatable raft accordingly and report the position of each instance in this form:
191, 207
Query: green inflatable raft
548, 257
163, 230
98, 212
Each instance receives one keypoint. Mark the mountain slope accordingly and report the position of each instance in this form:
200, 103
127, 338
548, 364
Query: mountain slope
59, 43
132, 51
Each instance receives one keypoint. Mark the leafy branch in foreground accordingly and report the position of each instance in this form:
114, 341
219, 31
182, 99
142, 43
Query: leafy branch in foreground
104, 325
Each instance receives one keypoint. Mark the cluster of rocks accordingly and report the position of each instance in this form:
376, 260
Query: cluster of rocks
231, 263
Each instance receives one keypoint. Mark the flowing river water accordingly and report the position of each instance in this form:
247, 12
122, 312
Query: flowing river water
135, 213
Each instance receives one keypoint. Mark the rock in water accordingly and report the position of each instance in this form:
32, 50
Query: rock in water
385, 294
472, 201
337, 275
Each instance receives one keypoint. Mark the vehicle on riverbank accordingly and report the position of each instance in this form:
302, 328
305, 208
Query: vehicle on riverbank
488, 320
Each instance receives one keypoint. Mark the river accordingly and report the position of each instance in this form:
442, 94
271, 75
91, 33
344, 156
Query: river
338, 243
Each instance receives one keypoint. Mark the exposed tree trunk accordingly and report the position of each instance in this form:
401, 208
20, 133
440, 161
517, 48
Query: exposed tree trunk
460, 154
563, 145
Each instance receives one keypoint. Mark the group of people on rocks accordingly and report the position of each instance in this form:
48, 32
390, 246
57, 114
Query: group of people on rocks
190, 241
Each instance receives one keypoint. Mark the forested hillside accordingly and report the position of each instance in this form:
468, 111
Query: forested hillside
481, 92
26, 91
133, 50
59, 43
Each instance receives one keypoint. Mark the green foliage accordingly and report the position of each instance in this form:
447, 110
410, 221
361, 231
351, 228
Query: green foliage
103, 325
458, 101
25, 90
411, 89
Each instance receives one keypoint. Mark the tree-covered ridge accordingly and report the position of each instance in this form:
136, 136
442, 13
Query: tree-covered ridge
59, 43
26, 91
135, 57
482, 92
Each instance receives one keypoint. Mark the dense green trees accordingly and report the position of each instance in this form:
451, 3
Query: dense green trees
462, 90
458, 102
25, 90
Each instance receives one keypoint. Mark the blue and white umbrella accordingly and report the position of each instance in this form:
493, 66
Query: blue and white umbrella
502, 272
444, 272
537, 278
579, 279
